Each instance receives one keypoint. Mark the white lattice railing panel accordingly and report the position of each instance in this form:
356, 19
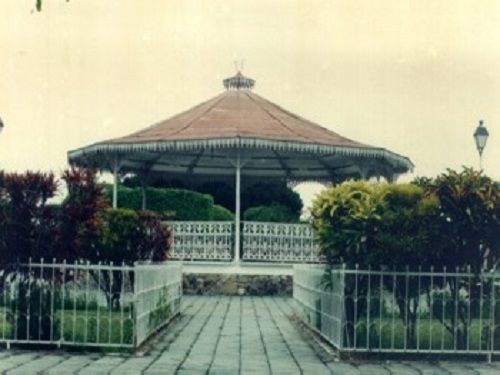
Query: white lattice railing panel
157, 292
279, 242
198, 240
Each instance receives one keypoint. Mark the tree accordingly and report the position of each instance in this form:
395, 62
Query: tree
382, 226
129, 236
468, 220
405, 238
467, 239
27, 220
27, 230
80, 221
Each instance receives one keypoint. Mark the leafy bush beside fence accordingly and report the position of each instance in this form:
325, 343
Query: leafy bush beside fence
452, 220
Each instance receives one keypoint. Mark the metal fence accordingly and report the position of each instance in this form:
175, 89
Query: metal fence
87, 305
269, 242
202, 240
157, 297
282, 242
410, 311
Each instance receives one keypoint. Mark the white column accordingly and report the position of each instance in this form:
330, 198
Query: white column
143, 177
237, 211
115, 184
144, 203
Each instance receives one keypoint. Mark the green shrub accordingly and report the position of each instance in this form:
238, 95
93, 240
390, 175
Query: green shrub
275, 213
182, 204
130, 235
219, 213
271, 194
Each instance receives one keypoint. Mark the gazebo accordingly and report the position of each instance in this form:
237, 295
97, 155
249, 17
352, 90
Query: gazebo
239, 135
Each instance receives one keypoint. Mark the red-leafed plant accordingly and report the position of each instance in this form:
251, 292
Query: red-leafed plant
27, 221
80, 217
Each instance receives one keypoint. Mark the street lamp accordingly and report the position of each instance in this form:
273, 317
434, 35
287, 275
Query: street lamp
481, 135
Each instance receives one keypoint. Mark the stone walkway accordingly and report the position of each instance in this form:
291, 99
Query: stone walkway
225, 335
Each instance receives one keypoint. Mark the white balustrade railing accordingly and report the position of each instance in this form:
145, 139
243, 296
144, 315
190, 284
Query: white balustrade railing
279, 242
202, 240
405, 311
87, 305
263, 242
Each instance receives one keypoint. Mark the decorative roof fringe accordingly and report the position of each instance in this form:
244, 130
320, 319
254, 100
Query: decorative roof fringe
251, 143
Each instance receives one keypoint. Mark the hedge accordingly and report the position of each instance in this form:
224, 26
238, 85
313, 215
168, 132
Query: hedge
219, 213
275, 213
180, 203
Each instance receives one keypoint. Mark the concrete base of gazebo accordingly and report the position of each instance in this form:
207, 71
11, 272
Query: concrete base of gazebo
239, 268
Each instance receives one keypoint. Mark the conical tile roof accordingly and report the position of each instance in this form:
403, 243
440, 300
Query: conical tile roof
208, 138
239, 114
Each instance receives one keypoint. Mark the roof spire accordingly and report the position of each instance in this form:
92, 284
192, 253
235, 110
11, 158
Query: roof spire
238, 81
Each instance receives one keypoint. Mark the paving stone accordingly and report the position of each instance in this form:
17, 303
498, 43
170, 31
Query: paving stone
103, 365
342, 368
425, 368
372, 369
400, 369
191, 372
484, 368
227, 335
5, 354
134, 365
17, 359
38, 365
70, 365
457, 368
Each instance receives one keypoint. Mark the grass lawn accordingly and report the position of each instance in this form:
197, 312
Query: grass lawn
80, 326
5, 327
430, 334
94, 326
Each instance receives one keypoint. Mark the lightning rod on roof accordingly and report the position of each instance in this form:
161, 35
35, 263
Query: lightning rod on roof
239, 67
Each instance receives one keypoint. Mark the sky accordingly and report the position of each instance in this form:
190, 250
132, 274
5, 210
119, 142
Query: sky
412, 76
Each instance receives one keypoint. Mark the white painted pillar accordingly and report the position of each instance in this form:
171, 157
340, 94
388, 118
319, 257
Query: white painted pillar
115, 184
144, 199
237, 211
143, 178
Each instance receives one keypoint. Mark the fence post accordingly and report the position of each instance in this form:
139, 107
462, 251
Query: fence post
135, 306
492, 317
63, 286
40, 301
28, 301
342, 310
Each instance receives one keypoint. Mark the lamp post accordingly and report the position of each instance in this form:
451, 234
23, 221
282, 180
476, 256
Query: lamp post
481, 135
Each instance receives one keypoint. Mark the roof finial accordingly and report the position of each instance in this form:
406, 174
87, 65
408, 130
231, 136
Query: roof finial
241, 65
238, 81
